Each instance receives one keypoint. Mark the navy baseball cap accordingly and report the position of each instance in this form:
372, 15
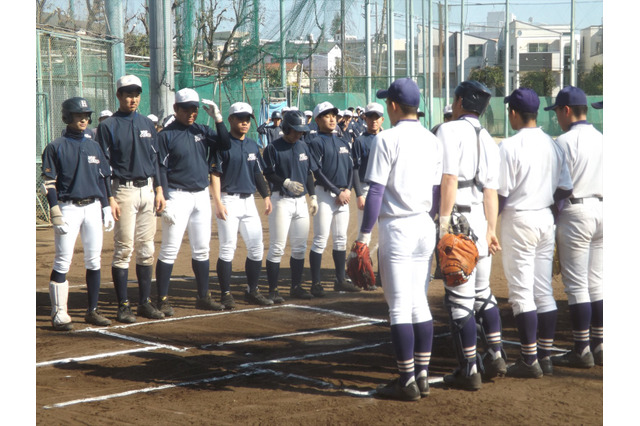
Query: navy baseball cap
597, 105
403, 91
523, 100
569, 95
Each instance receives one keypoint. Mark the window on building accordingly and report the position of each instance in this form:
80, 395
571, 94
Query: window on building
538, 47
475, 51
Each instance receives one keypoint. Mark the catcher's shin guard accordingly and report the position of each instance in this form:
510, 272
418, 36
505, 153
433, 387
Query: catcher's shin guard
464, 344
59, 294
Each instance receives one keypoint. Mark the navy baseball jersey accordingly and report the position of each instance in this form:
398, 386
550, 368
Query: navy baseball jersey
78, 166
292, 161
187, 151
272, 132
361, 149
334, 158
129, 142
238, 166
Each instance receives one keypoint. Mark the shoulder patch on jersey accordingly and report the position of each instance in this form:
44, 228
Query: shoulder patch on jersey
145, 134
252, 156
92, 159
303, 157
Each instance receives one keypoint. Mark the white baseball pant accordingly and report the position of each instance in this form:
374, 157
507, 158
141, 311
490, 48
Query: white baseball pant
290, 217
242, 215
86, 220
191, 212
330, 219
528, 238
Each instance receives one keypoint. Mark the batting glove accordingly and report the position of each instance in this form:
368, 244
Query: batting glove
107, 219
212, 109
296, 188
57, 220
313, 205
445, 225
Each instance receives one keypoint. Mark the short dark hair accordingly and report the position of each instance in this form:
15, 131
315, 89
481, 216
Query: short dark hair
579, 110
408, 110
526, 116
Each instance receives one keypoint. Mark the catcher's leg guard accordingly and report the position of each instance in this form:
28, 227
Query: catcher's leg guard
489, 325
464, 336
59, 294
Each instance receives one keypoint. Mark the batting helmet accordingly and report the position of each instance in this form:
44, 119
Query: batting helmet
294, 120
75, 105
475, 96
276, 115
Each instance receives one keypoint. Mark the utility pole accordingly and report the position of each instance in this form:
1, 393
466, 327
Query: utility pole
161, 72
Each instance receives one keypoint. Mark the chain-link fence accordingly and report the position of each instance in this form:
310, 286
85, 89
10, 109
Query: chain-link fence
67, 65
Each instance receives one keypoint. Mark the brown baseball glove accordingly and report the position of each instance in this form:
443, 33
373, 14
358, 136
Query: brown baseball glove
360, 266
458, 258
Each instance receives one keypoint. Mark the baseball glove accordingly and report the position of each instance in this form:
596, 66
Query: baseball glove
360, 267
458, 258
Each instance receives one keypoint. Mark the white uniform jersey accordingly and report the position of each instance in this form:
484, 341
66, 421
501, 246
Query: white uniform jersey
460, 145
408, 174
582, 145
532, 167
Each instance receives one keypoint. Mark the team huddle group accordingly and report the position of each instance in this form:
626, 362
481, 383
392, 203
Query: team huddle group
410, 182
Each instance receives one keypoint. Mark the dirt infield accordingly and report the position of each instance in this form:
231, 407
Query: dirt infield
304, 362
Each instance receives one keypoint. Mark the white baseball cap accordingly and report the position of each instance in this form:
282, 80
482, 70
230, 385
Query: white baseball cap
348, 113
187, 97
448, 110
153, 118
128, 80
324, 107
374, 107
241, 108
308, 113
105, 113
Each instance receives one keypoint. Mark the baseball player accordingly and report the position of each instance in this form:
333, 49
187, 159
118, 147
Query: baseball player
533, 175
272, 129
128, 140
403, 171
154, 118
446, 117
104, 114
470, 168
75, 174
288, 168
308, 114
236, 174
579, 229
185, 153
333, 180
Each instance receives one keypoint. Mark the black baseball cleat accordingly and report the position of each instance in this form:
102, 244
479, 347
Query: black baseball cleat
394, 390
124, 314
346, 285
317, 290
546, 365
256, 298
573, 360
597, 357
227, 301
458, 380
275, 296
165, 307
525, 371
298, 292
208, 304
423, 386
494, 367
149, 311
94, 317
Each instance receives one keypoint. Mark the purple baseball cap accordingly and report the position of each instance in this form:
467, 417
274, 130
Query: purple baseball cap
569, 95
523, 100
403, 91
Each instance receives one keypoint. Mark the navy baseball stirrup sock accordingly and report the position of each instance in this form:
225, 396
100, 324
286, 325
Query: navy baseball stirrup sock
465, 335
492, 327
223, 269
93, 287
143, 273
597, 328
252, 269
201, 271
315, 262
340, 260
273, 272
163, 277
423, 342
120, 277
527, 323
402, 339
580, 321
546, 332
297, 267
57, 277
